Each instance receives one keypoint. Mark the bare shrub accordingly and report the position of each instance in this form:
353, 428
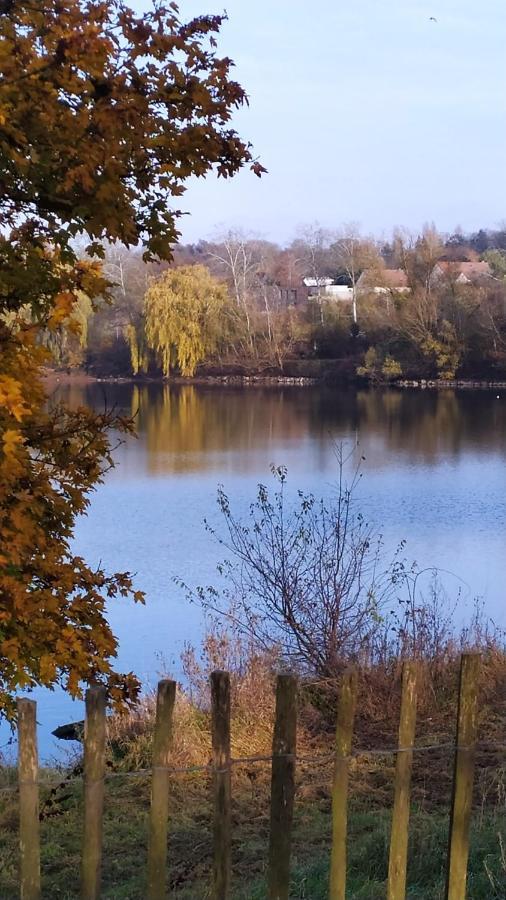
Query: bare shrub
310, 586
311, 582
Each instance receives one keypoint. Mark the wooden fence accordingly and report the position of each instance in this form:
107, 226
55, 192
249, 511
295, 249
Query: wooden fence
283, 764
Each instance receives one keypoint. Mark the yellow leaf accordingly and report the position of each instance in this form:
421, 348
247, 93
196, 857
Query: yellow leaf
12, 440
11, 398
62, 309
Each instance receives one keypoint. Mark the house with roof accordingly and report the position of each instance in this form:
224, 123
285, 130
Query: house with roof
461, 271
383, 281
291, 291
329, 288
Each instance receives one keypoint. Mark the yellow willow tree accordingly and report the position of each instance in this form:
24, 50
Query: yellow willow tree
104, 115
187, 317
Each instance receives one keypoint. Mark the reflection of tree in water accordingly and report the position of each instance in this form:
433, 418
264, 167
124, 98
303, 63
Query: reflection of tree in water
183, 427
416, 423
429, 423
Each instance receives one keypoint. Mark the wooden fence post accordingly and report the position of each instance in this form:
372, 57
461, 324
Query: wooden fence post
159, 812
404, 764
344, 733
29, 838
220, 707
284, 747
463, 774
94, 770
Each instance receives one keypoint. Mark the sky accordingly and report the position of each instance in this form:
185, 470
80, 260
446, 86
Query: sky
364, 112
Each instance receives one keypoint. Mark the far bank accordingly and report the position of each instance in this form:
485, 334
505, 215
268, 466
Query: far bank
302, 373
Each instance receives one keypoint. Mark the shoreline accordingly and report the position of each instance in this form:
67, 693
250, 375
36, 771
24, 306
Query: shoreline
455, 384
80, 378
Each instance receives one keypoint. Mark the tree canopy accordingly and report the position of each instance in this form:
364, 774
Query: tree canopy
104, 114
185, 309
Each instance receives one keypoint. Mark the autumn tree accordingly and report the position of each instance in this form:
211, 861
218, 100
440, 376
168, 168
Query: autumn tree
187, 315
68, 341
419, 258
104, 115
497, 262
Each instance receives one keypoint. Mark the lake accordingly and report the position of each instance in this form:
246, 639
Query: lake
434, 474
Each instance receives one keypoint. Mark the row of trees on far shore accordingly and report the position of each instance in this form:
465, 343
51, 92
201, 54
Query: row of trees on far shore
421, 305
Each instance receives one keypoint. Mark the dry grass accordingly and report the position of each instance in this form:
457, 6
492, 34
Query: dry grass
371, 786
252, 682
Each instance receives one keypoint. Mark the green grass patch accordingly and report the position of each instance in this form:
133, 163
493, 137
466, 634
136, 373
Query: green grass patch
190, 862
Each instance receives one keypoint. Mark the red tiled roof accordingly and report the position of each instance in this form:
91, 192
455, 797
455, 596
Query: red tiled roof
469, 269
394, 278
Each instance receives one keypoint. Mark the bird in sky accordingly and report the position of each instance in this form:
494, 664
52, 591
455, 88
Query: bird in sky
432, 19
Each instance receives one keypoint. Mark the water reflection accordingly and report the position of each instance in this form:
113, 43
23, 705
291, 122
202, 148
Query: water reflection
434, 476
190, 428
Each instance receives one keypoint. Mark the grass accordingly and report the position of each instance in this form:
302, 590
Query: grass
371, 790
190, 862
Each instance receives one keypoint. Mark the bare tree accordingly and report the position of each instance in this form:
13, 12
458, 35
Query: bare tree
130, 276
312, 251
354, 253
248, 264
309, 579
418, 256
235, 259
266, 294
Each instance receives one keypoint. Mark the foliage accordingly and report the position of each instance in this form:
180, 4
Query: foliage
379, 368
104, 114
497, 262
444, 351
67, 343
434, 325
370, 366
391, 369
52, 614
186, 312
138, 351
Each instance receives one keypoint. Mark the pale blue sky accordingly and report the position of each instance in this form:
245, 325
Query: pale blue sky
362, 110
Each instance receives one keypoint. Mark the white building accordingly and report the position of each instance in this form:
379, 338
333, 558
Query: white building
326, 287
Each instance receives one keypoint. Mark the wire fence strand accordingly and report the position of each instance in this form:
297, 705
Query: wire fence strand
303, 760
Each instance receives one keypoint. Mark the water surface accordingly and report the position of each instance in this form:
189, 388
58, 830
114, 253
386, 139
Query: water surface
434, 475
